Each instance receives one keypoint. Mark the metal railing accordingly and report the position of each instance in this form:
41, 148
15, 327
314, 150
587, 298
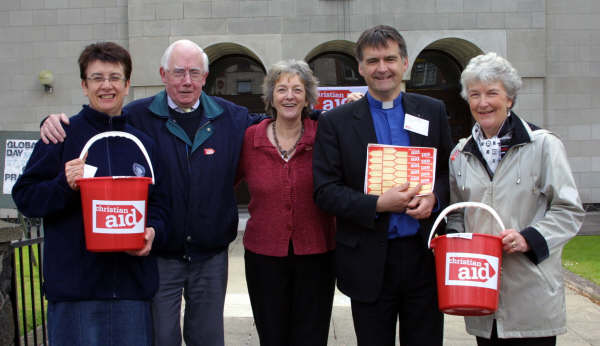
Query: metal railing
27, 285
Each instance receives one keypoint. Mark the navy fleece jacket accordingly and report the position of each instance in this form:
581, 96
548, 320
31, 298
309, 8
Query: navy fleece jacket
70, 271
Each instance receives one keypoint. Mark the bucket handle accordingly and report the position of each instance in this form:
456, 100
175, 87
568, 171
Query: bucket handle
107, 134
462, 205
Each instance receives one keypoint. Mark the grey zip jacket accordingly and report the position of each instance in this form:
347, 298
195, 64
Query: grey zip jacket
534, 192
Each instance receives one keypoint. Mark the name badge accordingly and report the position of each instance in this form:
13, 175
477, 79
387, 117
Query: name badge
416, 125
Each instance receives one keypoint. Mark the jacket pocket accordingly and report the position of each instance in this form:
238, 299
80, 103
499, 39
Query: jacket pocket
551, 286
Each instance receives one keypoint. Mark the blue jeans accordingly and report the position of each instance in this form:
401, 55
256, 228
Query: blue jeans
100, 322
202, 284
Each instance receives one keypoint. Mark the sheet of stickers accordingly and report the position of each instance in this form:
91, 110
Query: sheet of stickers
390, 165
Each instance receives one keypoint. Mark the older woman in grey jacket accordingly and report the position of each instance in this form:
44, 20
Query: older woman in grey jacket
523, 173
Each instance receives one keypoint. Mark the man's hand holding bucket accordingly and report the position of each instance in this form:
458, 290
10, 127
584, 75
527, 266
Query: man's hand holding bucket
149, 237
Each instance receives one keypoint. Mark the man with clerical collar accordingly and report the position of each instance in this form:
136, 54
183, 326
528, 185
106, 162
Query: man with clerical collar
382, 260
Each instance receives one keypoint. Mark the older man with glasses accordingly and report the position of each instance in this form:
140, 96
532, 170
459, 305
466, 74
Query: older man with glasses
199, 139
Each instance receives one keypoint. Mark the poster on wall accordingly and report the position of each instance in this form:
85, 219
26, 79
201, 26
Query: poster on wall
331, 97
16, 155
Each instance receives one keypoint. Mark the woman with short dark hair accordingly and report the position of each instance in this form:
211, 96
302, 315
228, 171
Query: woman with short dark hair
94, 298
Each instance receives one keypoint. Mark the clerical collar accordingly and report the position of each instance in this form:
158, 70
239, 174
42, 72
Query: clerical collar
178, 109
386, 104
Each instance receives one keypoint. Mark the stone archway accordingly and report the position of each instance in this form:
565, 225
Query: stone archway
333, 63
219, 50
340, 46
460, 49
436, 73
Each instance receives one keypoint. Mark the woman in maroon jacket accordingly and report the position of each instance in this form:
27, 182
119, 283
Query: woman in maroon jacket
289, 242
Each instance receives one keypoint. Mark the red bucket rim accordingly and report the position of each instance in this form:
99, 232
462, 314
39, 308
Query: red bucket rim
434, 240
111, 178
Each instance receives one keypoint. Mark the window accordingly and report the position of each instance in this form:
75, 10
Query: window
434, 70
244, 87
336, 69
235, 75
237, 78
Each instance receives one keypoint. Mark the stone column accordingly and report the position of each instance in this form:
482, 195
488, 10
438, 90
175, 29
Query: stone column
8, 233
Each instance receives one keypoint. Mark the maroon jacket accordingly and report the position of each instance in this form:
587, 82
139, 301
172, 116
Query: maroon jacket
281, 205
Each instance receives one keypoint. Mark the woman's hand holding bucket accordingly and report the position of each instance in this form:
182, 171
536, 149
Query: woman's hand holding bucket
74, 171
149, 237
513, 241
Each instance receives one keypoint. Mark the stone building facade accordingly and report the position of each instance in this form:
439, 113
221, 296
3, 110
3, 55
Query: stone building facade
555, 45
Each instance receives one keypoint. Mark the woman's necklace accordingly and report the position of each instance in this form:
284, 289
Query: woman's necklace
285, 154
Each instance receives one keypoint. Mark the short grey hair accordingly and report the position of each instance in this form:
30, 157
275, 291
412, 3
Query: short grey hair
164, 61
292, 67
491, 68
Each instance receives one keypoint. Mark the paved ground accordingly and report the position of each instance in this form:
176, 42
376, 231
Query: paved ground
583, 315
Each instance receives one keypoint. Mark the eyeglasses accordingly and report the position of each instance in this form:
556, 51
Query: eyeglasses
196, 74
112, 79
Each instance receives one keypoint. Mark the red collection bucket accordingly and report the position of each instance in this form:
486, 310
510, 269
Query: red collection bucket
114, 208
467, 267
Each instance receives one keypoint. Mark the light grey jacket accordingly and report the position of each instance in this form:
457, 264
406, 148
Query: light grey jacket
533, 191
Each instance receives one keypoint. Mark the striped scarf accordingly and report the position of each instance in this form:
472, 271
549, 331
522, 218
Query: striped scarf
492, 149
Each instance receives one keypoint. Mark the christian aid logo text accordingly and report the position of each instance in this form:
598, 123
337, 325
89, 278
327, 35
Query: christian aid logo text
118, 217
329, 99
468, 269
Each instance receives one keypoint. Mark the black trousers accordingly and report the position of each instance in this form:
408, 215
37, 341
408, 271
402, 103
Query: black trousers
408, 294
495, 341
291, 297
